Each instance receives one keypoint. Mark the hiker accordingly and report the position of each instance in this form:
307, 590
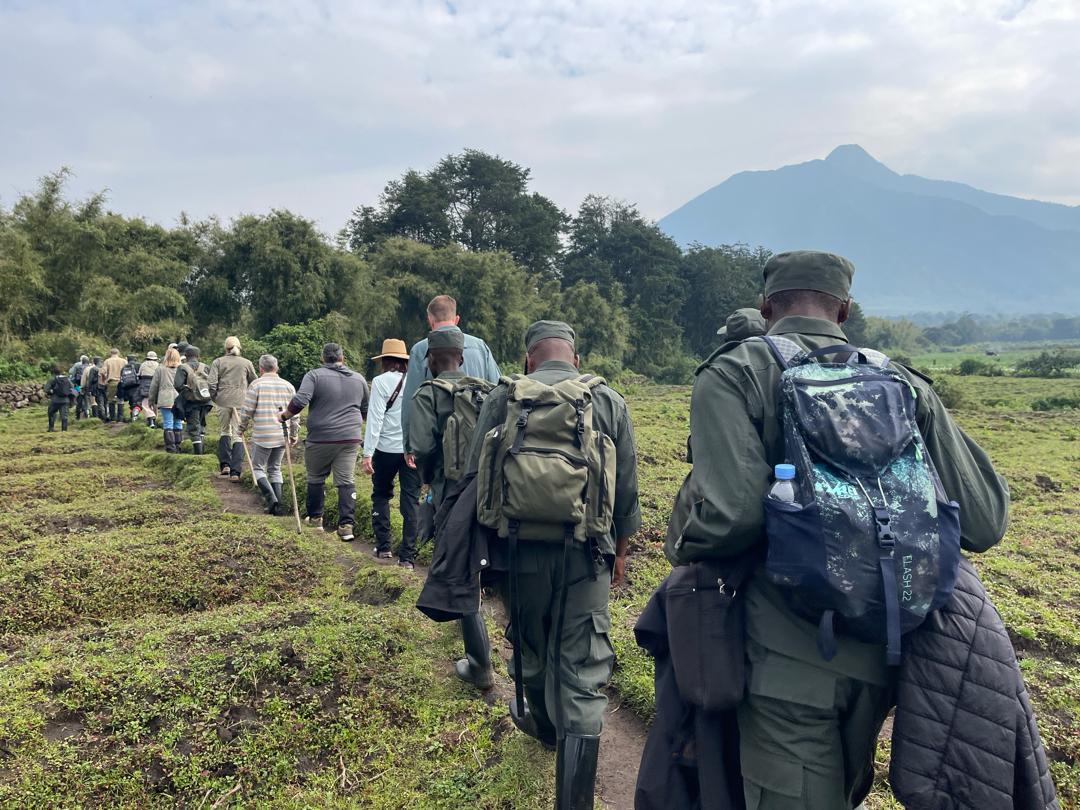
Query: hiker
109, 379
442, 316
61, 395
93, 390
384, 456
742, 324
818, 690
230, 376
444, 414
75, 374
264, 399
128, 389
337, 402
192, 383
147, 369
542, 441
166, 402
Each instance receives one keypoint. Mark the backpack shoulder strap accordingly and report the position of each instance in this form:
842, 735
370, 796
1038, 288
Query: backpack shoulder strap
781, 348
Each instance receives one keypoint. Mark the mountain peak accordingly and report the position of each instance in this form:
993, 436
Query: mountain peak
853, 160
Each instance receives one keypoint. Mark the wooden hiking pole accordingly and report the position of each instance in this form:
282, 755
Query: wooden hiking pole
247, 455
292, 479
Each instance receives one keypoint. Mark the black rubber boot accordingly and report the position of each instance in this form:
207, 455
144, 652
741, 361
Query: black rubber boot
268, 496
316, 495
534, 723
279, 506
236, 460
110, 415
177, 439
167, 440
223, 454
575, 771
475, 667
119, 412
197, 448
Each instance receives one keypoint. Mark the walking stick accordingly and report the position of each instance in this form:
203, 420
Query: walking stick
292, 479
247, 455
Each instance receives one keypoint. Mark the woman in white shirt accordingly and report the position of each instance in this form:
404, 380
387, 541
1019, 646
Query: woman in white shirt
384, 456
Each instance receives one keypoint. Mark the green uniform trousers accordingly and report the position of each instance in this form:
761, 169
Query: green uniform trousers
586, 657
807, 734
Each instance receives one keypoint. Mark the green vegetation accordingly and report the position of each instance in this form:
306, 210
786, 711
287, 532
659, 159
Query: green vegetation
153, 660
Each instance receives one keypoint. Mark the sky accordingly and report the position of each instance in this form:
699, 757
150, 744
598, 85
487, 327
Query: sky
239, 106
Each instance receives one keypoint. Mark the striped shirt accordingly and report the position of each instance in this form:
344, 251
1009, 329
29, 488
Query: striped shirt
264, 400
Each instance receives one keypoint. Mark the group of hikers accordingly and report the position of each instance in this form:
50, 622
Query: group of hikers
817, 580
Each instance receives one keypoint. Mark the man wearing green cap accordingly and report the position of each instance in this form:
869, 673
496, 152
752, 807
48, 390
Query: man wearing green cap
742, 324
565, 704
808, 727
432, 407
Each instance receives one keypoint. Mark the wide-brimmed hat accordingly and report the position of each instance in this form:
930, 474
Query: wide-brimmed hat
392, 347
151, 356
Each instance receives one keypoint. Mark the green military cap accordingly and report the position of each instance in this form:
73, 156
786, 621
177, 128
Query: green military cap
446, 339
742, 324
192, 351
542, 330
809, 270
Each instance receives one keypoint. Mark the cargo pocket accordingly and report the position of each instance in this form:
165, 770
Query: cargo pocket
796, 544
601, 651
488, 500
601, 506
771, 782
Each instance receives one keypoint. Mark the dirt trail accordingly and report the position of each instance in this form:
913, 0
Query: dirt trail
624, 732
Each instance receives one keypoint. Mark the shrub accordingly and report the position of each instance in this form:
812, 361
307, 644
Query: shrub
298, 347
980, 368
950, 394
1056, 403
1049, 364
16, 370
64, 344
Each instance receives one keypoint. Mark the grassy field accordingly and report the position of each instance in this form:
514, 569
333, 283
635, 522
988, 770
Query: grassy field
156, 651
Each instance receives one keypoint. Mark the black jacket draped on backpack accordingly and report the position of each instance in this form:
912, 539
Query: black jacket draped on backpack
964, 735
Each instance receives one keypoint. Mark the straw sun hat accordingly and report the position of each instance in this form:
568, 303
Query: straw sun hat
392, 347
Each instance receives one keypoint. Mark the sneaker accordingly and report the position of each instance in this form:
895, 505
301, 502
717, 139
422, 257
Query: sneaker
384, 555
314, 523
235, 477
345, 532
224, 473
407, 564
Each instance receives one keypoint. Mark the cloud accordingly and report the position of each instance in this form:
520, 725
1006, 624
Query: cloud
250, 104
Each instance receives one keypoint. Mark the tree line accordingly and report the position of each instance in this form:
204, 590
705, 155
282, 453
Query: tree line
77, 277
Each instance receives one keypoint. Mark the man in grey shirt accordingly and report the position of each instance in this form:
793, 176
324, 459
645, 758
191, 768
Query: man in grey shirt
337, 402
479, 362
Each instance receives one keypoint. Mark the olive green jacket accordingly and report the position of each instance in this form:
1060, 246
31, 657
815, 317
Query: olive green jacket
230, 376
609, 415
735, 440
427, 419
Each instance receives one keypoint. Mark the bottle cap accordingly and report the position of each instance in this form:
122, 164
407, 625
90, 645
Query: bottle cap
784, 472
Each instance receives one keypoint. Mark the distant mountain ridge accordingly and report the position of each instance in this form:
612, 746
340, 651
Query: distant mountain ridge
918, 244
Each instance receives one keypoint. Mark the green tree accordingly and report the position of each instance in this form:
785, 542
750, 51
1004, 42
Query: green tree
718, 281
23, 281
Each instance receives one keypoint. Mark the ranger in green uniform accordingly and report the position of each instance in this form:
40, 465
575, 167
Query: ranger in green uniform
808, 727
431, 407
742, 324
565, 702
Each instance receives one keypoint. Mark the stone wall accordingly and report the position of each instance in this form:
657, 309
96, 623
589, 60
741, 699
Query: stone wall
20, 395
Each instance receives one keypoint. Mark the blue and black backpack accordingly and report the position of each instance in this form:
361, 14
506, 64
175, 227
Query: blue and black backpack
872, 544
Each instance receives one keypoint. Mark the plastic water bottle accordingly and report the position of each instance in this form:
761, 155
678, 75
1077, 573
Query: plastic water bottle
784, 487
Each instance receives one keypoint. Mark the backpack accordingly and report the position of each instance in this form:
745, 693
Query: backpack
197, 383
466, 397
129, 376
872, 544
546, 473
62, 386
92, 378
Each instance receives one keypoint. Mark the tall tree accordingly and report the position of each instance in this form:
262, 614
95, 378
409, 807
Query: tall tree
718, 281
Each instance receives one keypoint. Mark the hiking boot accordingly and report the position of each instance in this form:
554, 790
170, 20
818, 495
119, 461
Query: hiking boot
475, 667
224, 471
383, 555
575, 771
345, 532
314, 522
409, 564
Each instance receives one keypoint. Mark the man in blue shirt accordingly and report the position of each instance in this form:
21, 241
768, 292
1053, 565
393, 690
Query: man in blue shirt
442, 314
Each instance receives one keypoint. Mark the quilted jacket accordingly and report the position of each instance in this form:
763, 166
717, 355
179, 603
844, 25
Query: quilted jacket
964, 735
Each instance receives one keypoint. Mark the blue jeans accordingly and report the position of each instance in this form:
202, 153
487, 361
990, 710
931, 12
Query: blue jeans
170, 419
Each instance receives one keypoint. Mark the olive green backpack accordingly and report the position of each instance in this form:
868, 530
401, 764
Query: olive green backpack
546, 472
466, 397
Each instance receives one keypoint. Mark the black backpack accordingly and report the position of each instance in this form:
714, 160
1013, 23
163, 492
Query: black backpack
872, 543
129, 376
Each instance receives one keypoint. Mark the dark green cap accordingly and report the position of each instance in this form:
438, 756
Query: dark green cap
446, 339
542, 330
742, 324
809, 270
